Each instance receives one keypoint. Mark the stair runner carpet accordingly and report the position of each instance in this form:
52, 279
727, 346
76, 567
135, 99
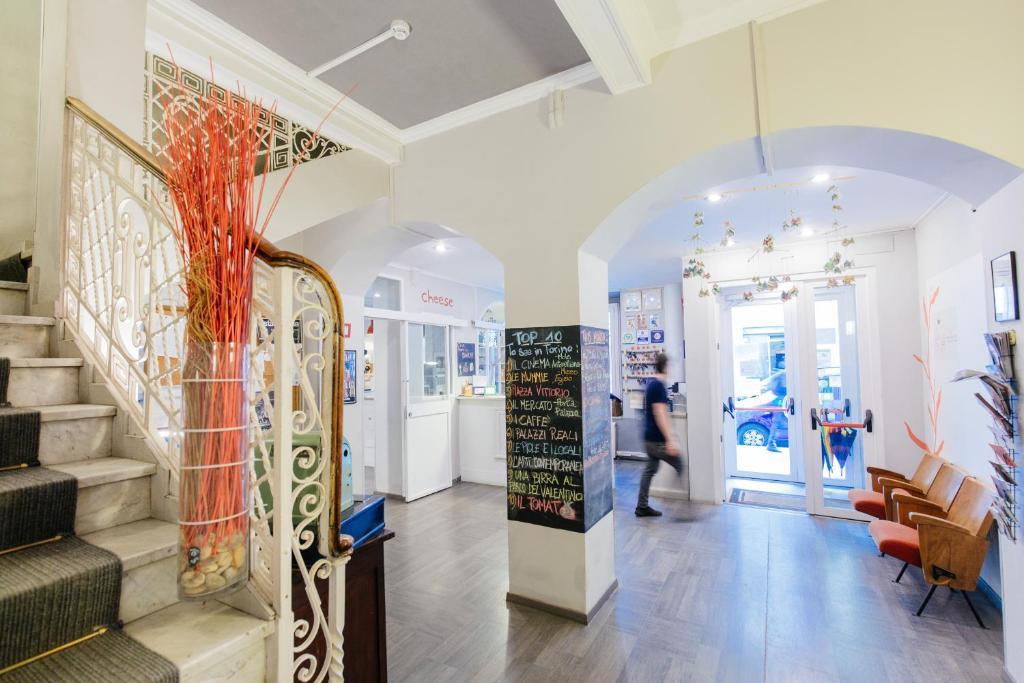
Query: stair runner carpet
12, 269
19, 428
55, 588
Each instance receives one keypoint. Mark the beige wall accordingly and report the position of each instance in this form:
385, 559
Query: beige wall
107, 59
20, 34
532, 195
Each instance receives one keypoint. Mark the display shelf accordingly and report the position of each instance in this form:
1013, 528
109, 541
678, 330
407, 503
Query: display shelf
1002, 405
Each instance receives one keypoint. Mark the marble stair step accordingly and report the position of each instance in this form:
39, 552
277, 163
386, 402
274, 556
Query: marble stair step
74, 431
111, 491
25, 336
147, 550
13, 296
43, 381
207, 641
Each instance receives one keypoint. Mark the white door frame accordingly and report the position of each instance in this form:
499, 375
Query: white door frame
425, 408
869, 352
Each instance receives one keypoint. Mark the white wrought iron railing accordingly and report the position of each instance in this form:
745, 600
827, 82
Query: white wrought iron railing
122, 302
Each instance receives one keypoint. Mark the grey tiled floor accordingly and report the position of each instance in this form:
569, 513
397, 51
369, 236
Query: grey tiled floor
706, 593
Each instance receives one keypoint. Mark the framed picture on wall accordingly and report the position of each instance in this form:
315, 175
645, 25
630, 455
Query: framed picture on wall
1004, 287
631, 302
652, 299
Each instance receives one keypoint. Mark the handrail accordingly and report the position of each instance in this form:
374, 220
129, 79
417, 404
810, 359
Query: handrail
273, 257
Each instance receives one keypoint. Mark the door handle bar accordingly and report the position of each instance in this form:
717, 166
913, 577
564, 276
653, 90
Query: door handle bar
867, 425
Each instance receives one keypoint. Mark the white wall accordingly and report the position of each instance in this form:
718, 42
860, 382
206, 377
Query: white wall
20, 34
892, 259
954, 245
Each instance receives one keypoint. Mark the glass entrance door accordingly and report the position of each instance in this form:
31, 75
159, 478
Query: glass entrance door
839, 423
758, 437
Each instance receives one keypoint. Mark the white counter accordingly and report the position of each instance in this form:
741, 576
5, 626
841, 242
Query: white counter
481, 439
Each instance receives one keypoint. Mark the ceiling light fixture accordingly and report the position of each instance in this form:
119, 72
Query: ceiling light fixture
400, 30
807, 231
821, 178
714, 197
440, 247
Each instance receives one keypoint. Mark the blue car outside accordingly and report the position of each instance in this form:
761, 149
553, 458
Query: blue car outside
753, 426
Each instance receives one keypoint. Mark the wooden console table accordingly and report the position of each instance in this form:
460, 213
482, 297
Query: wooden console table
366, 644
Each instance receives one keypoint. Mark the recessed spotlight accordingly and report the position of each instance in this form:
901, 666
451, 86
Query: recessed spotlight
821, 178
376, 295
440, 247
807, 231
714, 197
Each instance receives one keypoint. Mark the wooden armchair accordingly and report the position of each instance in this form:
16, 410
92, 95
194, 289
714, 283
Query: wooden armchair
950, 550
876, 502
936, 501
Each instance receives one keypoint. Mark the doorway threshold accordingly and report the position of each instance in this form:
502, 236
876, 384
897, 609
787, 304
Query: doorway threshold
778, 495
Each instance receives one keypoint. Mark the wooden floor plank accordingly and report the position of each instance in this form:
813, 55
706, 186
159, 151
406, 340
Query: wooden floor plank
706, 593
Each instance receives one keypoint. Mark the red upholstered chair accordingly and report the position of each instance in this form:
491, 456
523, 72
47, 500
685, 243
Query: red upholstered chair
949, 551
874, 502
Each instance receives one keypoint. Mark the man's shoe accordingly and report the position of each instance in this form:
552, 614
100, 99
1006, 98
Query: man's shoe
647, 512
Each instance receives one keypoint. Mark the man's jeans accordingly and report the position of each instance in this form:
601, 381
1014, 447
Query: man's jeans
655, 454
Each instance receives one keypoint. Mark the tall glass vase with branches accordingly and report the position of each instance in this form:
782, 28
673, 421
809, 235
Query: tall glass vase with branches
212, 149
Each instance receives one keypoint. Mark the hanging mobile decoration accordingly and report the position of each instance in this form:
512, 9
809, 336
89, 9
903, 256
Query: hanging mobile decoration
748, 296
790, 293
695, 267
728, 234
696, 237
793, 222
837, 264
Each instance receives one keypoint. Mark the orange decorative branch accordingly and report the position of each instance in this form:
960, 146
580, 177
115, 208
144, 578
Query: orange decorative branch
934, 395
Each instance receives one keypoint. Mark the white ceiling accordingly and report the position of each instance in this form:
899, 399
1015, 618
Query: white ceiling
872, 201
462, 261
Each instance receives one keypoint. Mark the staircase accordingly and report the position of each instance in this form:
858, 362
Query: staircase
54, 590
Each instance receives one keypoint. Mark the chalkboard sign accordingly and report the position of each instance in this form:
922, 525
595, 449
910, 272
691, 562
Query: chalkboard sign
556, 457
466, 355
597, 425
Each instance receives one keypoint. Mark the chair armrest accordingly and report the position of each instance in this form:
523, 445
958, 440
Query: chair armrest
950, 554
887, 485
906, 504
925, 520
879, 472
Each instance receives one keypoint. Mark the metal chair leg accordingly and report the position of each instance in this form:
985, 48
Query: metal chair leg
926, 599
973, 611
900, 575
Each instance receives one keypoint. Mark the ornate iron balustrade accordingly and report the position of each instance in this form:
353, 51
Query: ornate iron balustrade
123, 303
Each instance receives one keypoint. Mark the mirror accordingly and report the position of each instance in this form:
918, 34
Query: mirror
1004, 287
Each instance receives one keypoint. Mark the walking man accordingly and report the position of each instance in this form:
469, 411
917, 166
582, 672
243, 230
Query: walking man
659, 438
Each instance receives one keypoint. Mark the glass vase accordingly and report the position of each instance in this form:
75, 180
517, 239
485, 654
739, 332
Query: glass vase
213, 509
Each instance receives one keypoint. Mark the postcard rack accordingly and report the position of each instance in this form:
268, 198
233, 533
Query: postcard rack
1002, 405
